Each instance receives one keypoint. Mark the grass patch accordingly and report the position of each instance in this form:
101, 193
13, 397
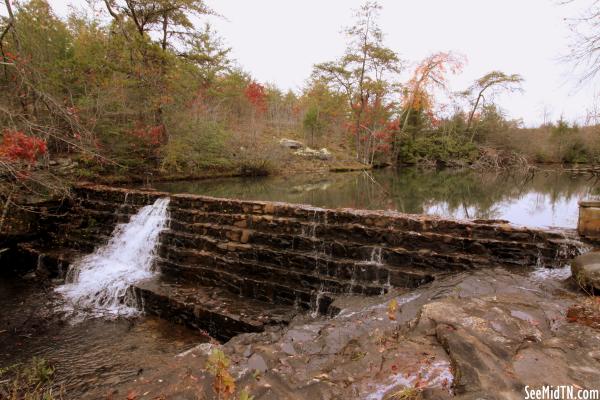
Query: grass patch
30, 381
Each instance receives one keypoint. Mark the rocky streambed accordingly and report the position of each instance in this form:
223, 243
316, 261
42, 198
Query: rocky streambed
483, 334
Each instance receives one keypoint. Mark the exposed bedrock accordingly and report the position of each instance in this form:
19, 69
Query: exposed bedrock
484, 334
288, 256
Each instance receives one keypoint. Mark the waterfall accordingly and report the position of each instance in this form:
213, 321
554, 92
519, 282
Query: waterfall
99, 282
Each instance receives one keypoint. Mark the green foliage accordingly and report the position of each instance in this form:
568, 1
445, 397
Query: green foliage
209, 54
47, 44
570, 149
359, 76
255, 167
415, 121
563, 130
32, 381
244, 395
576, 152
218, 365
313, 124
489, 85
38, 371
431, 147
198, 145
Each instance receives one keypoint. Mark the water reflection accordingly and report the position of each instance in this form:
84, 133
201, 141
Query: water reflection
544, 198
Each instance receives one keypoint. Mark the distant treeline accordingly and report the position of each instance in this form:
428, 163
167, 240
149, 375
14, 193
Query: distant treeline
136, 86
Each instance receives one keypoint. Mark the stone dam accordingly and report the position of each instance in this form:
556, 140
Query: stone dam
231, 266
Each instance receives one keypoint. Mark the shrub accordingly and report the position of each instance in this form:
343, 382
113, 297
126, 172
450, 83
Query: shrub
32, 381
575, 152
257, 167
445, 149
195, 146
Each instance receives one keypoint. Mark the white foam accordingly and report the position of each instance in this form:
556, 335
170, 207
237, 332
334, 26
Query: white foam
435, 375
542, 273
98, 283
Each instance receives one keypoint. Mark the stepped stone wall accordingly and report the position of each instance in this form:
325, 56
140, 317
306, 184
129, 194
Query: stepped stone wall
305, 256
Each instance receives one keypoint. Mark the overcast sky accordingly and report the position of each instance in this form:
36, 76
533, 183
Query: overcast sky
278, 41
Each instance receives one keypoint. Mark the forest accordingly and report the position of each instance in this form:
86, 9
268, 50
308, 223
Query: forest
145, 90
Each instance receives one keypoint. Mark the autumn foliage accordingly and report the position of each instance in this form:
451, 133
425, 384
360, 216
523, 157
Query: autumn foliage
430, 74
152, 135
257, 96
16, 146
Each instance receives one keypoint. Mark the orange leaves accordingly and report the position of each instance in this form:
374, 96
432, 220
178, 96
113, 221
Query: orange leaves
218, 365
17, 146
434, 68
431, 73
257, 96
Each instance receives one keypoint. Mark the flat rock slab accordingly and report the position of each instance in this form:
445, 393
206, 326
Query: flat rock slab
215, 310
586, 270
481, 334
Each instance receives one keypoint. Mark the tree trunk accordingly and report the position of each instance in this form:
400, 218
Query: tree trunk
6, 206
11, 23
472, 114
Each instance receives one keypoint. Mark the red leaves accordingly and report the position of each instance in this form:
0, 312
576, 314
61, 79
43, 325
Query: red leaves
375, 128
17, 146
257, 96
132, 395
152, 135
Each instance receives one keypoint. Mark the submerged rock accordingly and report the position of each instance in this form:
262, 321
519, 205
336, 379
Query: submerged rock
586, 270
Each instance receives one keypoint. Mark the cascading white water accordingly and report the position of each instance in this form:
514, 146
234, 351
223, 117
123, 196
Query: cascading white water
98, 283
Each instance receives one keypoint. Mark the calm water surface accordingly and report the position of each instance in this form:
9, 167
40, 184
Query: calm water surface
546, 198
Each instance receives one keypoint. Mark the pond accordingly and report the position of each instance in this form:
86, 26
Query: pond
92, 357
544, 198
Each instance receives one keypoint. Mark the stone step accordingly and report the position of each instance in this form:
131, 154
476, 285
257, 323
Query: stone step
368, 279
115, 195
401, 221
357, 231
309, 279
405, 222
111, 216
212, 309
499, 240
359, 242
349, 239
210, 274
313, 263
83, 243
109, 207
392, 258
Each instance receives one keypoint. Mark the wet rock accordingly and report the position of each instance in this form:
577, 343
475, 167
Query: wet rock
501, 331
288, 348
257, 363
586, 270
